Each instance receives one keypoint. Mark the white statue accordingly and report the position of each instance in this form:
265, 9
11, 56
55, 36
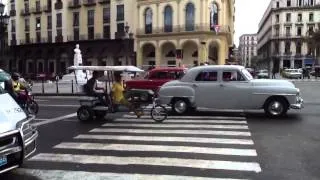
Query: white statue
77, 60
79, 75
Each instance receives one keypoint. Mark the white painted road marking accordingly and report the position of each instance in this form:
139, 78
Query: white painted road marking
155, 161
182, 120
173, 131
157, 148
192, 117
55, 119
203, 126
167, 139
79, 175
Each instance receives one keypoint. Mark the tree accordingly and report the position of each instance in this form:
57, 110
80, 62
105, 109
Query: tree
313, 40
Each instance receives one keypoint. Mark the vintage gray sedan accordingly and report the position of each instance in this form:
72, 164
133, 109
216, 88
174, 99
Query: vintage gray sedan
229, 87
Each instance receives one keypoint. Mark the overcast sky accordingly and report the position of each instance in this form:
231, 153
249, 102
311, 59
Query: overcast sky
248, 16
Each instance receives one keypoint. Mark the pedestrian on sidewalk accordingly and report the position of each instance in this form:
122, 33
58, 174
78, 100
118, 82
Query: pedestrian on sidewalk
273, 73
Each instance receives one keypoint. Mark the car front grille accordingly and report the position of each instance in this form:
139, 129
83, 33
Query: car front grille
8, 140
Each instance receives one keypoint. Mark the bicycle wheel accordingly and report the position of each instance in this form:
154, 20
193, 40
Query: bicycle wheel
159, 113
32, 107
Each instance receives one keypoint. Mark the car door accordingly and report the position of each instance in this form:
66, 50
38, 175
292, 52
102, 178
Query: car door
235, 90
206, 86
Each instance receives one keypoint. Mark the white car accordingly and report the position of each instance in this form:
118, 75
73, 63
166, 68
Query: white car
292, 73
229, 87
17, 135
263, 74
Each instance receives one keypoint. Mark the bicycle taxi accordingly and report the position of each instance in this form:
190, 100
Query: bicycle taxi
91, 107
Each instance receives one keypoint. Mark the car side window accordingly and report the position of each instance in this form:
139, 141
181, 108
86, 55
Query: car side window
207, 76
232, 76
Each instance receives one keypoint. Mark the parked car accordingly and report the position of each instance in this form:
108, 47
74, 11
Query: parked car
155, 78
229, 87
17, 135
263, 74
251, 71
292, 73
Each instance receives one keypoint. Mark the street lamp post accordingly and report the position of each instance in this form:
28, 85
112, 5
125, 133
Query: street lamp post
3, 24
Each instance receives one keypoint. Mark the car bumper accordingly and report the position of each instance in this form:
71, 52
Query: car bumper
16, 147
298, 104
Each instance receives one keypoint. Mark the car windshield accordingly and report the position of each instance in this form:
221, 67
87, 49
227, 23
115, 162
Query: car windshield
247, 74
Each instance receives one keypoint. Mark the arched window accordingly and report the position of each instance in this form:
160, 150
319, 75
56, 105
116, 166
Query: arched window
168, 19
190, 17
214, 16
148, 21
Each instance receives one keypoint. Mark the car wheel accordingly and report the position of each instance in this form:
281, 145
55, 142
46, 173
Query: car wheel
180, 106
32, 107
276, 107
85, 114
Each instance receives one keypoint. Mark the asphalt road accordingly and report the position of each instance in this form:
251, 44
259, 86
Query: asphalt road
204, 145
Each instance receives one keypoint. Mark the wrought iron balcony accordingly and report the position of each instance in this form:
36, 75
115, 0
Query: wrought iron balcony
47, 8
58, 5
37, 10
183, 29
25, 12
104, 1
74, 4
89, 2
12, 12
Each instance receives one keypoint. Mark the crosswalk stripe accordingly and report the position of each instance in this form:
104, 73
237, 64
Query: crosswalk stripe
161, 131
183, 121
192, 117
204, 126
167, 139
155, 161
73, 175
157, 148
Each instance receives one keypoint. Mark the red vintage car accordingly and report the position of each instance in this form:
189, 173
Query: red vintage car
155, 78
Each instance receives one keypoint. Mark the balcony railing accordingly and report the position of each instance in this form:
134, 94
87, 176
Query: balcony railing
89, 2
25, 12
104, 1
47, 8
286, 36
37, 10
58, 5
12, 12
183, 29
74, 4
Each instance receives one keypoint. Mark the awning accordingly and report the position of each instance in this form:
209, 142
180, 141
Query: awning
308, 61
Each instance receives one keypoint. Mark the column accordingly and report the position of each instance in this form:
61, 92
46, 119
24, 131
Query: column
138, 17
139, 56
178, 15
157, 18
158, 55
202, 52
201, 10
281, 63
291, 63
221, 54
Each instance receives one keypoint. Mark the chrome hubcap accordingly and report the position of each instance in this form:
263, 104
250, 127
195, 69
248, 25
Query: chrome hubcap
275, 108
158, 113
180, 106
